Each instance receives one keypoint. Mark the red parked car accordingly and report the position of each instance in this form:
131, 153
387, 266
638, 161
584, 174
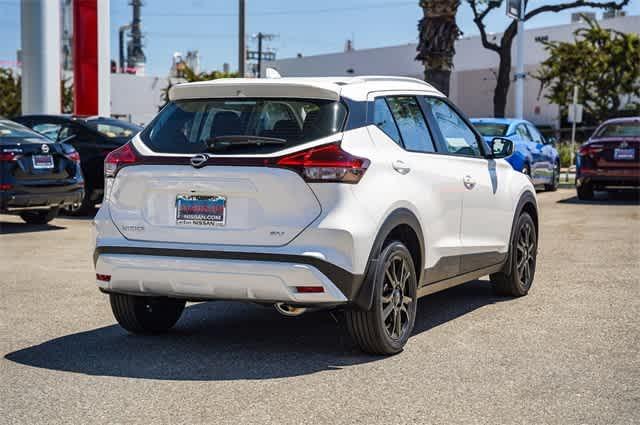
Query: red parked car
610, 158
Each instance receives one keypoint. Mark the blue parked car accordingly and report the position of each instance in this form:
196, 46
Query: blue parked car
532, 153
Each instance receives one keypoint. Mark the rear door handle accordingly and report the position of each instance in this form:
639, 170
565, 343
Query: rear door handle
401, 167
469, 182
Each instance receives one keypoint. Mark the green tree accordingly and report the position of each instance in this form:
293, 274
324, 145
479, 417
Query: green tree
603, 63
438, 34
482, 8
66, 96
187, 75
10, 93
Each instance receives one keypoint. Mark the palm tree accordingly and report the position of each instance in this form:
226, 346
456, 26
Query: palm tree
438, 34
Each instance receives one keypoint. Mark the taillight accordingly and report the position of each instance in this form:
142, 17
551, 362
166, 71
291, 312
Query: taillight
73, 156
124, 155
5, 186
588, 150
8, 156
327, 163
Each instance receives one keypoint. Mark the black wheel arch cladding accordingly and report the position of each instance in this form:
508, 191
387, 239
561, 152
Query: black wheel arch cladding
397, 219
528, 204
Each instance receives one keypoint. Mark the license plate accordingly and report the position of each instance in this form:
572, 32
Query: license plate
42, 161
624, 153
201, 210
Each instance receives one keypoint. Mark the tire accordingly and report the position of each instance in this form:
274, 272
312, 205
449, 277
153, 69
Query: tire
144, 315
585, 191
518, 278
556, 179
40, 217
85, 207
386, 328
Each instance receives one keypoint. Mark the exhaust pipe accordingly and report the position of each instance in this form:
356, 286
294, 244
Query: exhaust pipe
289, 310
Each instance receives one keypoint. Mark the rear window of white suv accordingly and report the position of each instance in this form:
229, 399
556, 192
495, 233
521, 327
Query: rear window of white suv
242, 126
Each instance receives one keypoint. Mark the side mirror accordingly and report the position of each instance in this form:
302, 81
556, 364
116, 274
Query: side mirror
501, 147
551, 140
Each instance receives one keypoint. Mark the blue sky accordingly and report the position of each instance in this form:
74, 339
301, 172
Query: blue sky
306, 27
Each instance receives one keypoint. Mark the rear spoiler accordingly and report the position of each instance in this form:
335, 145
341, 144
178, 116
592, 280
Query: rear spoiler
240, 88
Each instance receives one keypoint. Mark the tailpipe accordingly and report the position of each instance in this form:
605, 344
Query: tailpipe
289, 310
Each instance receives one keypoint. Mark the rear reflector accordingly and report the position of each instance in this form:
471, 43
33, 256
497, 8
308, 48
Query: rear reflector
309, 289
103, 277
327, 163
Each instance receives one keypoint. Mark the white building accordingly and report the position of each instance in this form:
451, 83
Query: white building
473, 79
137, 98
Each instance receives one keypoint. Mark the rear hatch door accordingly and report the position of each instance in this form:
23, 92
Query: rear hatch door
229, 205
616, 152
36, 163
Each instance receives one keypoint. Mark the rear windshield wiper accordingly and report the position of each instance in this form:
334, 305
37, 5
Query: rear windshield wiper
220, 143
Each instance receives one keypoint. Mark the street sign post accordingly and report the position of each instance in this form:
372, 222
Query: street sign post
575, 113
515, 10
575, 116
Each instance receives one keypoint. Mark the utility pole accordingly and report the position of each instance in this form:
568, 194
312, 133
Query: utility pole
241, 38
260, 55
260, 35
520, 75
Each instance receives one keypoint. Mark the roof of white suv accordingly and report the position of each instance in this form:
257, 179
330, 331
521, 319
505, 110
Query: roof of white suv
331, 88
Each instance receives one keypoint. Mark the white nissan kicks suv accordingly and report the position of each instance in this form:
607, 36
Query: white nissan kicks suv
358, 193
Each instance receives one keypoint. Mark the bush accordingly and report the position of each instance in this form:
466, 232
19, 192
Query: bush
564, 150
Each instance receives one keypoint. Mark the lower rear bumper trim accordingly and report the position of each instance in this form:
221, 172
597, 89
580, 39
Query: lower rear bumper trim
348, 283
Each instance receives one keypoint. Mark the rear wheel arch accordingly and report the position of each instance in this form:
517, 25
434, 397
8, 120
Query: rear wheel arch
400, 225
527, 203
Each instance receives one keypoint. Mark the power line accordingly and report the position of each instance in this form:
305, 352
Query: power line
361, 8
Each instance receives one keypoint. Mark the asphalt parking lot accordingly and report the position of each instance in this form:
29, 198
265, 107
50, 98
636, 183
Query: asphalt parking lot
569, 353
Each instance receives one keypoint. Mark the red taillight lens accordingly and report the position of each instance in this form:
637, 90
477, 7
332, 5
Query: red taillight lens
103, 277
327, 163
8, 156
588, 150
5, 186
74, 156
124, 155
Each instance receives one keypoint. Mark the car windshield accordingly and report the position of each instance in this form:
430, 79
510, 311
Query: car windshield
10, 129
491, 129
269, 124
114, 129
620, 129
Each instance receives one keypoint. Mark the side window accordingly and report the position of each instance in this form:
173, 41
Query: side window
274, 113
49, 130
413, 128
522, 131
383, 119
66, 131
535, 134
460, 139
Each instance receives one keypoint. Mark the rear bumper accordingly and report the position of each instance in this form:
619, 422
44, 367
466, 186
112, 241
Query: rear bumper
209, 275
609, 177
54, 197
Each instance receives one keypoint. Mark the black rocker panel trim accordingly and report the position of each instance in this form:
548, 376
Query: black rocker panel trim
446, 267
